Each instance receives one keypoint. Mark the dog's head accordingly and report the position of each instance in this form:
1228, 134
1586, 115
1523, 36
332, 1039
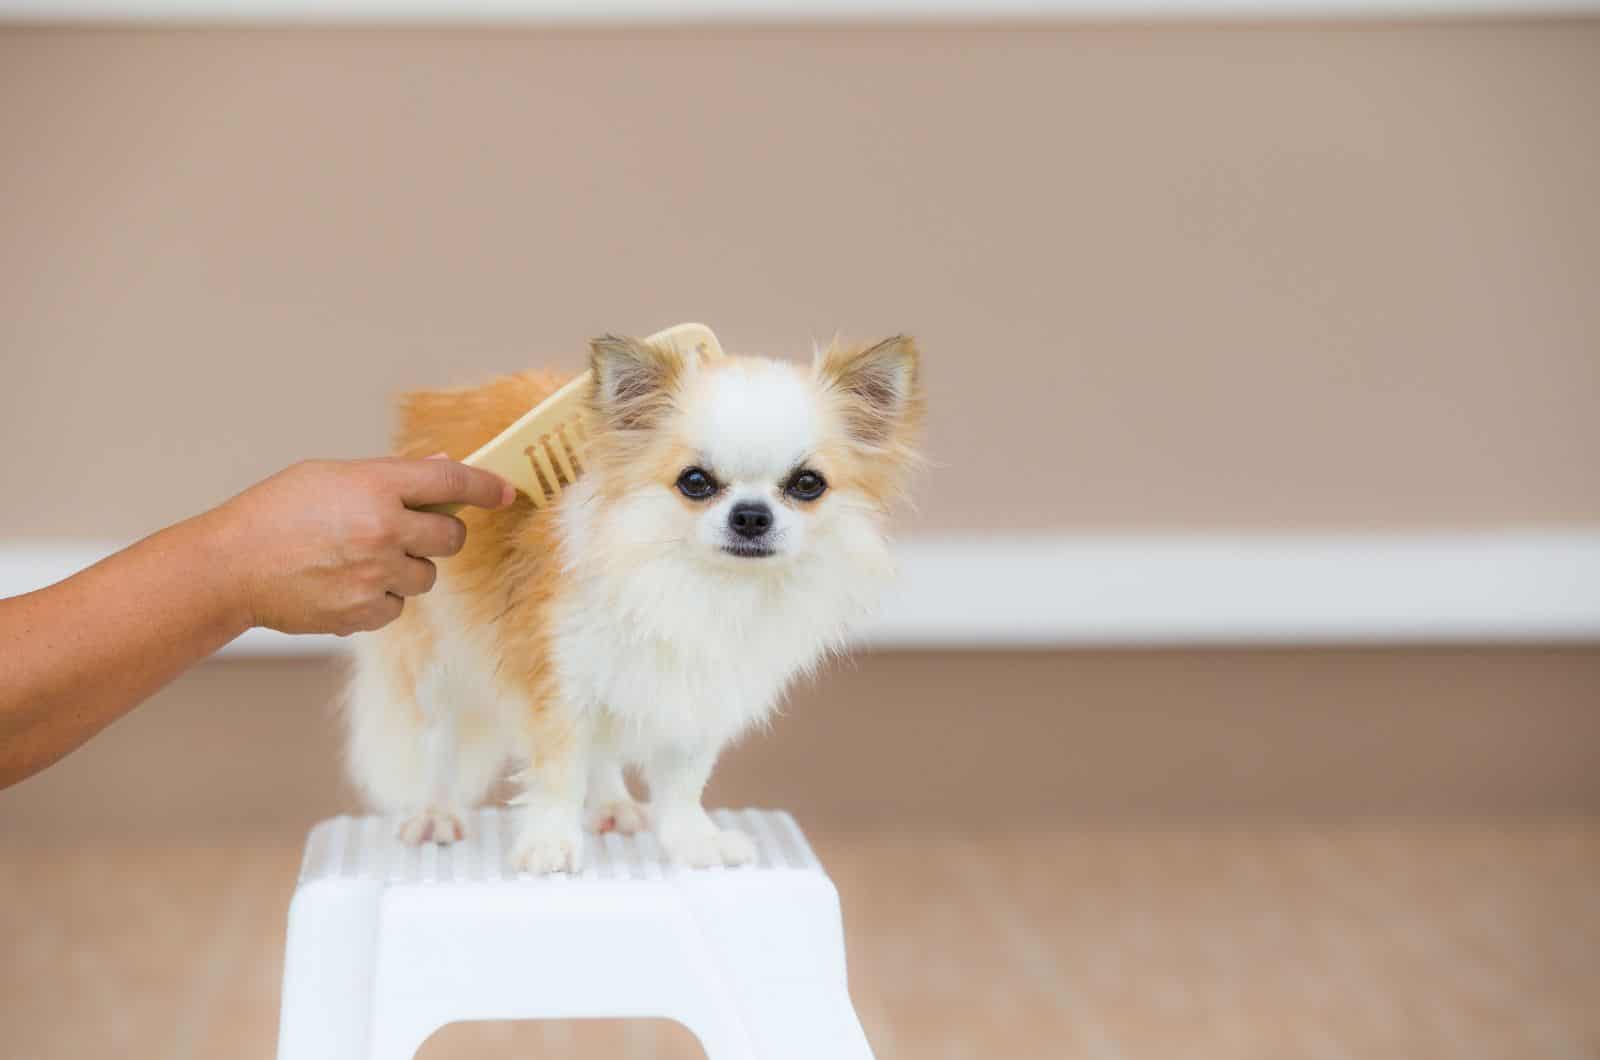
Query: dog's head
749, 464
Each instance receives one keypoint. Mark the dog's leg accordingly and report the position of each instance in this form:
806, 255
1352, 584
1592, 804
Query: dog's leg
437, 819
402, 746
556, 747
480, 758
609, 806
437, 813
688, 833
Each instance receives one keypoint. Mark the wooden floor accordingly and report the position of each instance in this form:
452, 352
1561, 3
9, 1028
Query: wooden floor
1429, 940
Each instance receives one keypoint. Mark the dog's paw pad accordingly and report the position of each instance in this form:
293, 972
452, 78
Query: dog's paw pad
542, 853
432, 826
706, 849
623, 817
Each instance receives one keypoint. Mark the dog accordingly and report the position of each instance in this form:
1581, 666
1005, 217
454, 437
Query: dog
727, 527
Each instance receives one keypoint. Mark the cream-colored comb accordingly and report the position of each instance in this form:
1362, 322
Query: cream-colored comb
542, 453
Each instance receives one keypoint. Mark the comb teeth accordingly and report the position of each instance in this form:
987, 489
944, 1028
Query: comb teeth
556, 460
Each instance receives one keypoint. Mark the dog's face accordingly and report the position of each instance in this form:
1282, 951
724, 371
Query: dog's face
748, 464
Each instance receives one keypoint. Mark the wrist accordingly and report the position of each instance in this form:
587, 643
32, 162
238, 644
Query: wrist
221, 570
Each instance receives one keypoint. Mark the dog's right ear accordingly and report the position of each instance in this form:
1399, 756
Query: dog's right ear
634, 381
879, 387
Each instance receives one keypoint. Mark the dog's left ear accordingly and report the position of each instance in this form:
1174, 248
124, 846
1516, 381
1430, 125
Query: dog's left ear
880, 387
633, 381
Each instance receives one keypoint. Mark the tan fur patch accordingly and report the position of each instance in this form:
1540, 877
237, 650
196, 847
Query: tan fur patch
507, 572
457, 421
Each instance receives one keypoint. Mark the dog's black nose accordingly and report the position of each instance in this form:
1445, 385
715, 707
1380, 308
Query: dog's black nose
750, 519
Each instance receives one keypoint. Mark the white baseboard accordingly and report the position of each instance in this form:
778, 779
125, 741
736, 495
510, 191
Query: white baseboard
1204, 590
1167, 591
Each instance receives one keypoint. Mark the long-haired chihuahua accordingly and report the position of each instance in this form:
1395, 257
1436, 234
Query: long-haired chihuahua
728, 526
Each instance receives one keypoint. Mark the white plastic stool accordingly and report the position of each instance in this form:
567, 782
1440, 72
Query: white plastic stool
388, 943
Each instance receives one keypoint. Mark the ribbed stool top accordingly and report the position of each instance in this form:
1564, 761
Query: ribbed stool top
366, 848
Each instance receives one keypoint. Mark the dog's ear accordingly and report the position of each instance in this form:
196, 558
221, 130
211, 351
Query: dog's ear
634, 381
879, 388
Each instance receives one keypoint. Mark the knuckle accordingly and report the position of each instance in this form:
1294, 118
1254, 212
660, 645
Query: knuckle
366, 583
370, 483
454, 478
371, 529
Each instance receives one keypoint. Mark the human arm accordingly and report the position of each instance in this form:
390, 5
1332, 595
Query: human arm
321, 547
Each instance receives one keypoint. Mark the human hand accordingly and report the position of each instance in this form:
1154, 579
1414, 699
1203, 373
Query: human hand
333, 546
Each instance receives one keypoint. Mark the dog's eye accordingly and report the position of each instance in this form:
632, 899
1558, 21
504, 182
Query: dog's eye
696, 484
806, 485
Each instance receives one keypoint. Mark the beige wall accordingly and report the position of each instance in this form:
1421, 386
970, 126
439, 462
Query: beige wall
1259, 277
1302, 277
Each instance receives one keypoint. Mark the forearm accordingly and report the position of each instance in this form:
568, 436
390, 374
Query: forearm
321, 547
76, 656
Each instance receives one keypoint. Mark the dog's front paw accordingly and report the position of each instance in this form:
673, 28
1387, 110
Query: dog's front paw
543, 848
431, 826
703, 848
626, 817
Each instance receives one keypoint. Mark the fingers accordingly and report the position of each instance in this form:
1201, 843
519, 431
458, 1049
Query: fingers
413, 578
435, 481
387, 610
375, 615
429, 534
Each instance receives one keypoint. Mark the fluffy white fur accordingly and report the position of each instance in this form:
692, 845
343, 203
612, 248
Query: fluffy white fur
663, 646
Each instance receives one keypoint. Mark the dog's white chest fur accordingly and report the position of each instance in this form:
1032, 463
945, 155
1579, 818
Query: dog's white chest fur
678, 654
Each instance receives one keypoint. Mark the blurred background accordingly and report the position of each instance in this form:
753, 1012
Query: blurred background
1242, 697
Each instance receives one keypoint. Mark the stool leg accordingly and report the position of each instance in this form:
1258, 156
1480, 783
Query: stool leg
804, 1024
783, 973
328, 972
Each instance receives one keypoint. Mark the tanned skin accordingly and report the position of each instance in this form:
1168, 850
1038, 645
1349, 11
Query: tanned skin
321, 547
